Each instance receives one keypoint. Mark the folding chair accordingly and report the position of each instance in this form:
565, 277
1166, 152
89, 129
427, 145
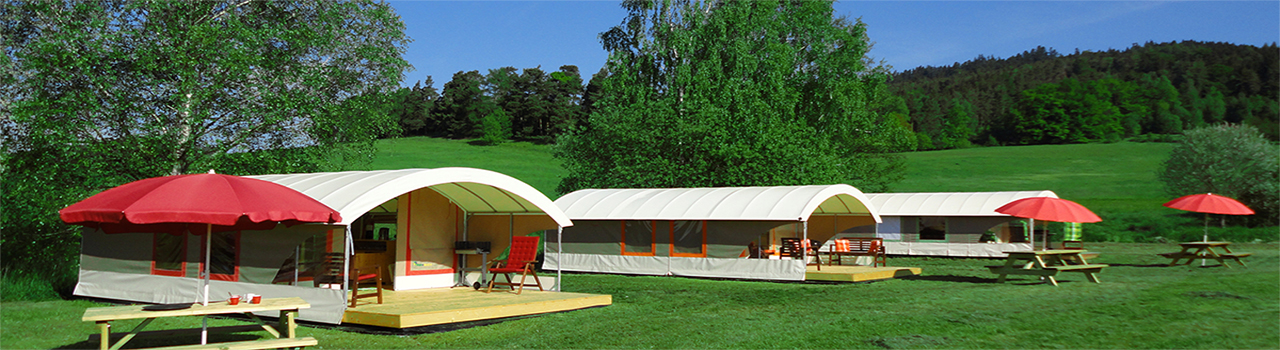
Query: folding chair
524, 250
330, 272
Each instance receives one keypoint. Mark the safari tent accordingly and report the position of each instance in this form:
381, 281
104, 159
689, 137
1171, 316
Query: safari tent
701, 232
960, 224
406, 220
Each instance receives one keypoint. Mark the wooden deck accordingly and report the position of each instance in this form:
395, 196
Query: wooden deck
838, 273
425, 307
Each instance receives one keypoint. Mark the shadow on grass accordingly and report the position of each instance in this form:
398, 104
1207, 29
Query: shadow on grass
950, 278
159, 341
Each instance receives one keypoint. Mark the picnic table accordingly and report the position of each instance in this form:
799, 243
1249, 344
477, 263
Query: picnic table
1047, 264
1205, 250
285, 335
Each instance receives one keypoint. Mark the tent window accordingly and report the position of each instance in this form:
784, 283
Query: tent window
933, 228
168, 253
637, 238
688, 238
224, 258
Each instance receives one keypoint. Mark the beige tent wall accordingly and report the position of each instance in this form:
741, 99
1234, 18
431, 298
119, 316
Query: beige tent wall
427, 226
497, 229
823, 227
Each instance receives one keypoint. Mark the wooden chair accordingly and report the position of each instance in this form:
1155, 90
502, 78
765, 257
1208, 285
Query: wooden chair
524, 250
797, 248
330, 272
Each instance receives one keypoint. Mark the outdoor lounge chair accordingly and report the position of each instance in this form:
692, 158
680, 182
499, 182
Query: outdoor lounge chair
524, 250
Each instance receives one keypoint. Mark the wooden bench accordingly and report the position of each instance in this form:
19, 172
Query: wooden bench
279, 343
855, 247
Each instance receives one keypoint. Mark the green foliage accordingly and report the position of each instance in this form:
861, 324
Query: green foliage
413, 106
1231, 160
98, 94
1152, 88
495, 127
736, 93
461, 106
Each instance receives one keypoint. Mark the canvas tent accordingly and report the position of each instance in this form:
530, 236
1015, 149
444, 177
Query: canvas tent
406, 220
702, 232
960, 224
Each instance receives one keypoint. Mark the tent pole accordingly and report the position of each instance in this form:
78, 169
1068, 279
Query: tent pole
348, 252
208, 247
804, 250
559, 254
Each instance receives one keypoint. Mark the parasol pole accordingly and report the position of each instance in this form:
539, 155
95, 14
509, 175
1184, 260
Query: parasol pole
1206, 235
1032, 233
208, 247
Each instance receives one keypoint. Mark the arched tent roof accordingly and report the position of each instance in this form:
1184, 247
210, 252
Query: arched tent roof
354, 193
948, 203
779, 203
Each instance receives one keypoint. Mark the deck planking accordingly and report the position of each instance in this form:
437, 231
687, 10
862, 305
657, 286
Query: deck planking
426, 307
838, 273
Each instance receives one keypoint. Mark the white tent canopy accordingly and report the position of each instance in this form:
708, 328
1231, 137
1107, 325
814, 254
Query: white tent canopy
354, 193
948, 203
777, 203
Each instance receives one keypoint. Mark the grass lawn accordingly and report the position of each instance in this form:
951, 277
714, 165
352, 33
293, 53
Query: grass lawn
528, 162
954, 304
1104, 177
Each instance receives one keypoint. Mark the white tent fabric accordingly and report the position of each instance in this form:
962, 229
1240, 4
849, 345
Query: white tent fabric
947, 203
778, 203
354, 193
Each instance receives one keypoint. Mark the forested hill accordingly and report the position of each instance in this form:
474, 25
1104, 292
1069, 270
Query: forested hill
1043, 97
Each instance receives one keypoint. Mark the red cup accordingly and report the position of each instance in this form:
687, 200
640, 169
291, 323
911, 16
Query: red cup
235, 300
257, 299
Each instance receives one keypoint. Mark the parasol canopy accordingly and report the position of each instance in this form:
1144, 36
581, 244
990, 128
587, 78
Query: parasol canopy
1049, 209
188, 203
1209, 203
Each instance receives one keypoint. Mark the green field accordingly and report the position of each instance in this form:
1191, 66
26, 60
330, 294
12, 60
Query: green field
955, 304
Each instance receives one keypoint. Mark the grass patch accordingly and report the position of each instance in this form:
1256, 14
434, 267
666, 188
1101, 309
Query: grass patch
531, 163
955, 304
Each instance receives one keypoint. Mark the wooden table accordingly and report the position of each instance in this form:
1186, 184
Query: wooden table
1047, 264
285, 334
1205, 250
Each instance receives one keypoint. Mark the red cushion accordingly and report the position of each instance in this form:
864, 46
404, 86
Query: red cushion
366, 276
507, 270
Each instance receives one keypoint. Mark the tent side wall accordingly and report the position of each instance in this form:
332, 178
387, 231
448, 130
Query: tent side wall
963, 236
597, 246
119, 267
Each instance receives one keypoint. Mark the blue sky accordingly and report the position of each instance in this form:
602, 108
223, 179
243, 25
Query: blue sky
452, 36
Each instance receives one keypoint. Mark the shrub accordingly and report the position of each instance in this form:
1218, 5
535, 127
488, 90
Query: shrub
1232, 160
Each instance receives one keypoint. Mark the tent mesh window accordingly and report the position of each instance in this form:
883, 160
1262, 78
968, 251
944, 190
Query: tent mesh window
933, 228
637, 238
224, 258
689, 238
167, 254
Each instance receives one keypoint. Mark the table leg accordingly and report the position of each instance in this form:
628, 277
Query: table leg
287, 323
1233, 256
264, 325
132, 334
1007, 265
1040, 264
104, 327
1214, 255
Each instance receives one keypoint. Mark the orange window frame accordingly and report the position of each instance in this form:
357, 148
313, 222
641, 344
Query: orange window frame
653, 240
182, 266
235, 264
671, 233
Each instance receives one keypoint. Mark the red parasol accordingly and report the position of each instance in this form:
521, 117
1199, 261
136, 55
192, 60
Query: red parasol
1048, 209
196, 204
1209, 203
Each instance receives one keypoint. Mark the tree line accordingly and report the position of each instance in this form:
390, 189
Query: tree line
504, 104
1043, 97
